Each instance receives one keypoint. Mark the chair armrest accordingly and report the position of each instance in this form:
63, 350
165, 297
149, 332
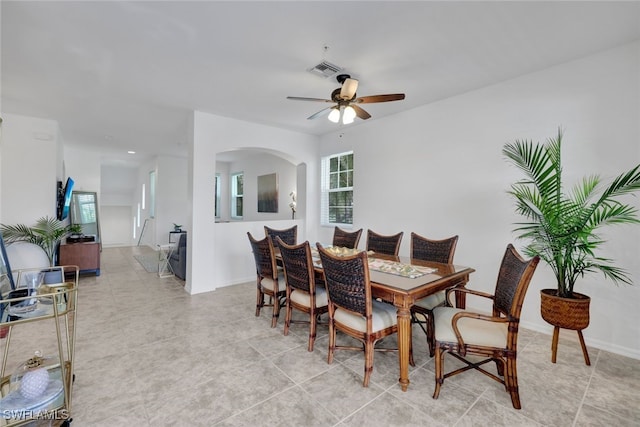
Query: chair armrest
478, 316
466, 291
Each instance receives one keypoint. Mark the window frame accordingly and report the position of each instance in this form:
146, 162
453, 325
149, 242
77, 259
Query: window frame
235, 196
152, 194
216, 202
326, 190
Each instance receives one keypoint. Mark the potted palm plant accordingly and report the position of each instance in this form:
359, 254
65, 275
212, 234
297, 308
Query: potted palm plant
562, 228
47, 233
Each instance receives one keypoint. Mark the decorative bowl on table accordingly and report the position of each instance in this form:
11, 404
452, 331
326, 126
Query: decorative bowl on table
341, 251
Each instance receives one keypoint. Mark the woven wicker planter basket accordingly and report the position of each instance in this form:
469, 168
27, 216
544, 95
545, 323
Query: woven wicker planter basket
566, 313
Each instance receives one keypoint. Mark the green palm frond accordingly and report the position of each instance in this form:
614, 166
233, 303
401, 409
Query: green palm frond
561, 228
46, 233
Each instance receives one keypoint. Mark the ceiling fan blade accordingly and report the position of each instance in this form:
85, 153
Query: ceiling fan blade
348, 90
360, 112
380, 98
320, 113
300, 98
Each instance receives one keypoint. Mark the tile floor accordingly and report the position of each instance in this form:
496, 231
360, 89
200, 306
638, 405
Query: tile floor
149, 354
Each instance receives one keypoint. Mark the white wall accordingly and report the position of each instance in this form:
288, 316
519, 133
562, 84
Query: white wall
232, 242
438, 170
31, 165
81, 165
210, 135
258, 164
116, 203
116, 226
171, 199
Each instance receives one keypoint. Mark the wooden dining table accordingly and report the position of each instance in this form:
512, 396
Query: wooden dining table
403, 292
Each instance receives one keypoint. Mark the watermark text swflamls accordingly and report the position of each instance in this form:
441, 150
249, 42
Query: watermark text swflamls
25, 414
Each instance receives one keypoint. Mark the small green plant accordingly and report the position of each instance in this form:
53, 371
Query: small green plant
75, 228
47, 233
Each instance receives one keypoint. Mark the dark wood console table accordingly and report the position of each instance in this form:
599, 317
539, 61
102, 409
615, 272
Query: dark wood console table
85, 255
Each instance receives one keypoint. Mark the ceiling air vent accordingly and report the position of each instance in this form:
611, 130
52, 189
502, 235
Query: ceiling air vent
325, 69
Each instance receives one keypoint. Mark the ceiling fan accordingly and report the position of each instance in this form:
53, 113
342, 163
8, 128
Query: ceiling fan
344, 97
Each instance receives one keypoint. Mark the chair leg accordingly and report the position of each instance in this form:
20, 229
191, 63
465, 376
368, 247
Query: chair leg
287, 318
313, 320
428, 329
411, 361
431, 334
259, 301
511, 382
439, 369
368, 362
332, 341
276, 312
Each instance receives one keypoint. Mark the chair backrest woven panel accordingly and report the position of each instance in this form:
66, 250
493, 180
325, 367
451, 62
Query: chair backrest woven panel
513, 280
263, 255
296, 265
389, 245
345, 280
433, 250
346, 239
288, 235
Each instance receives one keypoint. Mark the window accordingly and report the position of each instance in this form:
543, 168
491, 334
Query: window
217, 197
337, 189
86, 208
237, 190
152, 194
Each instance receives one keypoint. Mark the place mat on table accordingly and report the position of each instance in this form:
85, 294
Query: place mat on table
398, 268
338, 251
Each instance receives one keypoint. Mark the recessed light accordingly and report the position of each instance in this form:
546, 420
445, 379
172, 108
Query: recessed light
131, 152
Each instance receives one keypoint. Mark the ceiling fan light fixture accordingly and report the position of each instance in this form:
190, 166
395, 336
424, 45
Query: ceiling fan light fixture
346, 106
349, 115
334, 115
348, 89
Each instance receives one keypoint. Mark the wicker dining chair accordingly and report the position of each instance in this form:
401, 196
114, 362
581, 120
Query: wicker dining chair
352, 310
268, 277
302, 292
389, 245
346, 239
463, 333
288, 235
441, 251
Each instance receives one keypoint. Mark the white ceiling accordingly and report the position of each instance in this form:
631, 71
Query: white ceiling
123, 75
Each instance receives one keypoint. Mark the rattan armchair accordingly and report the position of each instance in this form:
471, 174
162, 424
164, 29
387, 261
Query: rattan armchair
268, 277
346, 239
302, 293
388, 245
288, 235
441, 251
462, 333
352, 310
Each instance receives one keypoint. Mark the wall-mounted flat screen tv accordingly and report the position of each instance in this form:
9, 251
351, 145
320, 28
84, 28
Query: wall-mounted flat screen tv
64, 200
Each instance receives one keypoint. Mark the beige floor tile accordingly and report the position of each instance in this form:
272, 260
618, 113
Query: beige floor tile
149, 354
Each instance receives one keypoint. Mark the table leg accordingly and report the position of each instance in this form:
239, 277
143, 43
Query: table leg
404, 342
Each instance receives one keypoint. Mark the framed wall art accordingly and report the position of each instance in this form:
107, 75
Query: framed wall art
268, 193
